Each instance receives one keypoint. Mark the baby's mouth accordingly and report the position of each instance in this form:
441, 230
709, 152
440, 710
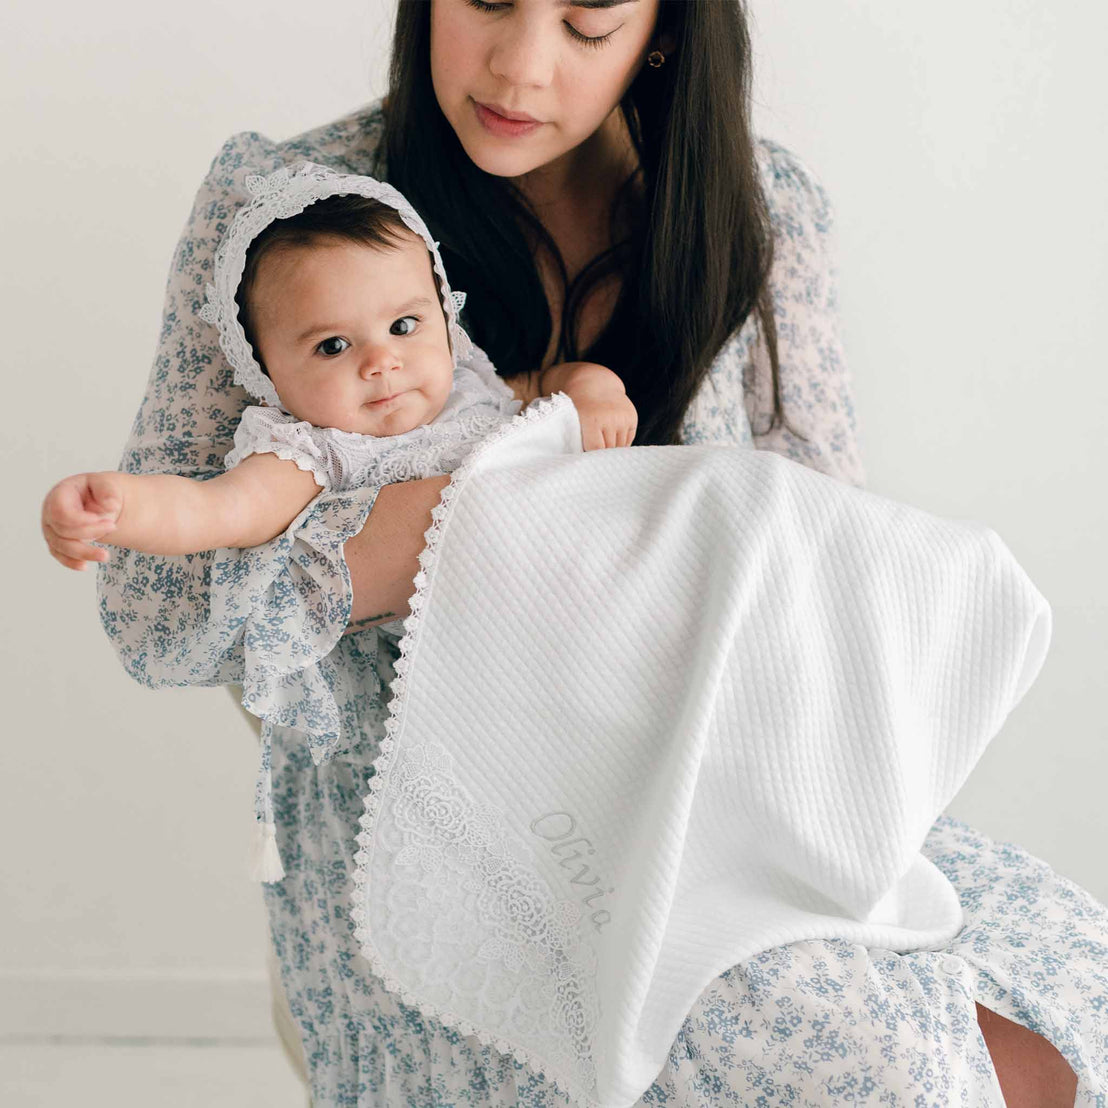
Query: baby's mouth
383, 401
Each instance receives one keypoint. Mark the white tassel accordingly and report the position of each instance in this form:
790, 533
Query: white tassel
265, 858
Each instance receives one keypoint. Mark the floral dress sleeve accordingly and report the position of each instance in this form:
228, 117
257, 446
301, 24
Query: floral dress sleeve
254, 617
815, 383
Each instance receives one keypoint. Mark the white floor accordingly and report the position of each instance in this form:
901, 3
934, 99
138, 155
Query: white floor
138, 1073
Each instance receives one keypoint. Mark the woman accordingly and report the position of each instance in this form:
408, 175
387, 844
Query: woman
636, 223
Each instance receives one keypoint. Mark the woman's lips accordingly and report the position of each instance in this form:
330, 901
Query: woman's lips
498, 125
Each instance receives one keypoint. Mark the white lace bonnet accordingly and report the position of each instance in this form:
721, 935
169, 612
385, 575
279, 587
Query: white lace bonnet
287, 192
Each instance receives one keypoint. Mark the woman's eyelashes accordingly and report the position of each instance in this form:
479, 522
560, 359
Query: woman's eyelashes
595, 41
338, 338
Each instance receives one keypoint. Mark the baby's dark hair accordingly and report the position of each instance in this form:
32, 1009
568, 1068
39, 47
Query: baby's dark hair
347, 217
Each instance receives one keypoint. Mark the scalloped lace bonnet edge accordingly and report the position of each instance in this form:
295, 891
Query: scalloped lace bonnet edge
287, 192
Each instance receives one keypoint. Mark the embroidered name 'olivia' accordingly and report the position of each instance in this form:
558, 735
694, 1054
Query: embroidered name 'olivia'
555, 828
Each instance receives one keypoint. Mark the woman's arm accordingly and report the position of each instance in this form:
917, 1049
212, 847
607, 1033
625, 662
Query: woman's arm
817, 395
383, 558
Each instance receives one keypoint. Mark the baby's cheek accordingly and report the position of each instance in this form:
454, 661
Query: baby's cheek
320, 406
444, 380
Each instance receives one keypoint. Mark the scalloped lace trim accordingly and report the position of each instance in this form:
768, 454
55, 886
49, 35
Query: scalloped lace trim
345, 460
285, 453
531, 978
285, 192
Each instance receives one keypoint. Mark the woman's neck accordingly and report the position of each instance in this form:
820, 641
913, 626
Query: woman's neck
584, 180
573, 196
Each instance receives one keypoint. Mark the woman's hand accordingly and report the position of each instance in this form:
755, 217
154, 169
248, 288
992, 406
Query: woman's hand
80, 508
383, 558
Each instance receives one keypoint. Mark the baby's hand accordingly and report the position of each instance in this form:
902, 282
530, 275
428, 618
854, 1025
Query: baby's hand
79, 508
607, 415
608, 420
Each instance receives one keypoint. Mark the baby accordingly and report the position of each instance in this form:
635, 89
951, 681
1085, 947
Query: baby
334, 312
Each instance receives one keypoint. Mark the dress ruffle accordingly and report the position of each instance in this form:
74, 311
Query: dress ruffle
293, 596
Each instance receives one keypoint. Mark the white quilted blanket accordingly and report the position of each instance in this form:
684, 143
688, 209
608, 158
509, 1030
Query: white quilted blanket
658, 709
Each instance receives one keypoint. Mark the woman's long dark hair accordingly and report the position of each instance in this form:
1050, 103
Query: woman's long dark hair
696, 261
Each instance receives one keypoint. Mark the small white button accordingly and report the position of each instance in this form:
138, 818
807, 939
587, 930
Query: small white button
952, 965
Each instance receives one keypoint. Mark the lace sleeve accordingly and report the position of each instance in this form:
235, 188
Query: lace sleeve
181, 619
816, 385
269, 431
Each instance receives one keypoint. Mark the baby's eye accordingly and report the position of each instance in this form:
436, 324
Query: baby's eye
331, 353
410, 329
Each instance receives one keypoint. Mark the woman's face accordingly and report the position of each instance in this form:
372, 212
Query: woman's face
340, 326
526, 56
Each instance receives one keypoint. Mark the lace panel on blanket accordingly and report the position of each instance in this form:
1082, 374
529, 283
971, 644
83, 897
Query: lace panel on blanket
514, 954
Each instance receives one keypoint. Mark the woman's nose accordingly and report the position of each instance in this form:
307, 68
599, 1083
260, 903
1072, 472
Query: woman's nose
523, 52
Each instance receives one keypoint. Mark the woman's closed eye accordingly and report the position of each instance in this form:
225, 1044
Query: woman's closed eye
595, 41
338, 338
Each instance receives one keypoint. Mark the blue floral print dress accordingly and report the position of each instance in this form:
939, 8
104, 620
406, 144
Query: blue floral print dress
811, 1023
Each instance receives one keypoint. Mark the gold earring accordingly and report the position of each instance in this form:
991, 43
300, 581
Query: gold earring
655, 58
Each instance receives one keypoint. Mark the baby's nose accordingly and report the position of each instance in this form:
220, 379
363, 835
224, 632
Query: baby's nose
378, 362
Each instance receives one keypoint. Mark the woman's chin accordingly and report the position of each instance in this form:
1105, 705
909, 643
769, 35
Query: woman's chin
500, 158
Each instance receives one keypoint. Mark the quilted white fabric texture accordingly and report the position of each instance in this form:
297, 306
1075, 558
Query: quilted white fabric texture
656, 710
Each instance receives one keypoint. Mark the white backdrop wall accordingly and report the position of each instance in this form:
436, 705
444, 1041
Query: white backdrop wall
964, 151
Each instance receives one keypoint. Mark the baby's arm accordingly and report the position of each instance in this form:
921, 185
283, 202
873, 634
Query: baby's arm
166, 514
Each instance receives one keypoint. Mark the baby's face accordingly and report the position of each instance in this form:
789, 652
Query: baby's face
341, 327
